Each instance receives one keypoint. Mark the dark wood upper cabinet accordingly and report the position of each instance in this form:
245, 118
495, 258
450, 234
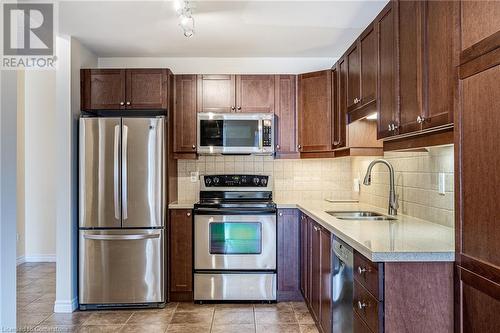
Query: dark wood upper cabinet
409, 32
185, 114
285, 90
119, 89
339, 106
442, 59
386, 71
315, 111
288, 255
479, 24
361, 64
102, 89
181, 255
255, 93
146, 89
368, 57
216, 93
353, 77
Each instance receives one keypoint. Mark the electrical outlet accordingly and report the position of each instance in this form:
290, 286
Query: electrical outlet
194, 176
442, 183
18, 237
356, 185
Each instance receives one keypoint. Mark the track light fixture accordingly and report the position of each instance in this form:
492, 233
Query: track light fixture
184, 12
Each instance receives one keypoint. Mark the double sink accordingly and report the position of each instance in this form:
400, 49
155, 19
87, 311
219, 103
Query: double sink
360, 215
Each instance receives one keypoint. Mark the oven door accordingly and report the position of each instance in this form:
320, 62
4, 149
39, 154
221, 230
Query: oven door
235, 242
229, 133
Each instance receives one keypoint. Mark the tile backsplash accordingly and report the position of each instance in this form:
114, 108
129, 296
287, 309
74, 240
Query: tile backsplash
416, 179
417, 175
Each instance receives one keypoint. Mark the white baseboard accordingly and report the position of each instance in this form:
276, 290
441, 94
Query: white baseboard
66, 306
20, 260
40, 258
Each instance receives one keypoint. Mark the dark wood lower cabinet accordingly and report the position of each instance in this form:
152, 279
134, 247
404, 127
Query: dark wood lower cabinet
288, 255
180, 262
316, 271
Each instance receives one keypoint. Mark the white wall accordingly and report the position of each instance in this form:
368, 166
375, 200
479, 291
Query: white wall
71, 57
8, 196
223, 65
40, 217
20, 169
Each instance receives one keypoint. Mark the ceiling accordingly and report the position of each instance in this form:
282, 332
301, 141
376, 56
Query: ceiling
222, 28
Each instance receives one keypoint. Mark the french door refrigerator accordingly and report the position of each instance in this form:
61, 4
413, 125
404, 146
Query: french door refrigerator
121, 212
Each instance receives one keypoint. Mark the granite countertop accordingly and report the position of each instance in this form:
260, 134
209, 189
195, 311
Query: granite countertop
402, 240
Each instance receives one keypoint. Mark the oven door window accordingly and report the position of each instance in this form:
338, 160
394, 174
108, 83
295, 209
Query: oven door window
235, 238
241, 133
211, 133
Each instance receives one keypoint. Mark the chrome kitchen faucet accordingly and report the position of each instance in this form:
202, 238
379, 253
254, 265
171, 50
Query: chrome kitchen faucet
393, 197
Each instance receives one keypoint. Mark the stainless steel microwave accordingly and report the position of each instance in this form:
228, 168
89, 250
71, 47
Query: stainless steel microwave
235, 133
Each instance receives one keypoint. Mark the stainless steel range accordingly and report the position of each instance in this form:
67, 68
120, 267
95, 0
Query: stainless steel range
235, 239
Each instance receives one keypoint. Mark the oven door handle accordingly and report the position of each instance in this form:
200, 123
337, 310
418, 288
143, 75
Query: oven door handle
218, 211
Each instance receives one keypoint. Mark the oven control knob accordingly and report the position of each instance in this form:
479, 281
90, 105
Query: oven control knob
208, 181
216, 180
256, 181
263, 181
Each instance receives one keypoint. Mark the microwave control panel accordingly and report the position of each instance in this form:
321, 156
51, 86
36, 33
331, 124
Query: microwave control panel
267, 133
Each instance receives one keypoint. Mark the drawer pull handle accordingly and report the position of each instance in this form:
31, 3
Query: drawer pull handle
362, 305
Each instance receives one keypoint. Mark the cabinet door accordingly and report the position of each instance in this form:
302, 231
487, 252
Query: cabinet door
340, 109
387, 82
304, 256
315, 111
326, 270
216, 93
479, 20
103, 89
285, 110
315, 299
441, 59
411, 62
185, 114
255, 93
146, 89
368, 53
181, 251
288, 255
353, 77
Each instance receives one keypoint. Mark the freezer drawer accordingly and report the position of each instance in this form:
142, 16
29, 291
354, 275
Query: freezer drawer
121, 266
235, 286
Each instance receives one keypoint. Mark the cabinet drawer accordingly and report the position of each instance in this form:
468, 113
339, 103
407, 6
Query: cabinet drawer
367, 273
366, 306
358, 325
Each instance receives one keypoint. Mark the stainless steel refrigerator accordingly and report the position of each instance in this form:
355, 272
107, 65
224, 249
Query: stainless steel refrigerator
121, 211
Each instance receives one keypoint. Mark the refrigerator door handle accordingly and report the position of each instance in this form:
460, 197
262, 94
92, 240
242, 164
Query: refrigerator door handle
124, 172
116, 171
122, 237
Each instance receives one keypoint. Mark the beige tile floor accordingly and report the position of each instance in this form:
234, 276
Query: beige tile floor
36, 295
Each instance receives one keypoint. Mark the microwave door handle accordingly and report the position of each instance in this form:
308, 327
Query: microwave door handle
124, 173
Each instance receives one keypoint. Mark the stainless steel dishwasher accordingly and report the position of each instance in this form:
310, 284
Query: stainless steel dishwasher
342, 286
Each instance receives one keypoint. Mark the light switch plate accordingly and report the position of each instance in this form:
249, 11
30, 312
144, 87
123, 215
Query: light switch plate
194, 176
442, 183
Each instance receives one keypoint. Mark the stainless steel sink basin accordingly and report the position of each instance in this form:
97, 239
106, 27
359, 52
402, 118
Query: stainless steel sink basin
360, 215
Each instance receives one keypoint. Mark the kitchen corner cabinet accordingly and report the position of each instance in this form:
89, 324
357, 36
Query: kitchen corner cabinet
288, 255
285, 91
362, 74
315, 112
315, 250
235, 93
180, 230
185, 121
124, 89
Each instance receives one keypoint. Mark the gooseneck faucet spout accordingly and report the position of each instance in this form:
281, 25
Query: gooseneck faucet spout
393, 197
